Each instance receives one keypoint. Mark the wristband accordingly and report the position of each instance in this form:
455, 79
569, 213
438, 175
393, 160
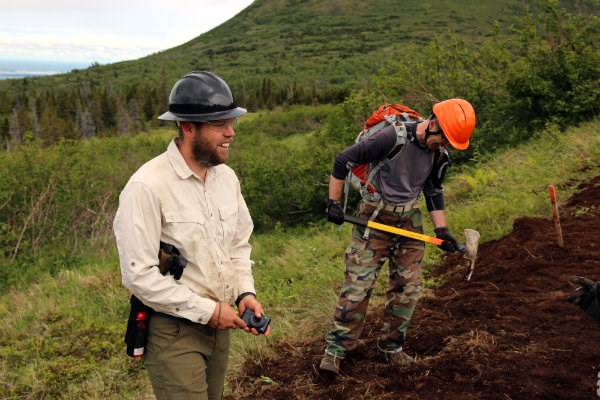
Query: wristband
241, 296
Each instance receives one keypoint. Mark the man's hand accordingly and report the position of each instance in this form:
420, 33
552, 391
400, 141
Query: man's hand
450, 243
250, 302
225, 317
335, 213
587, 296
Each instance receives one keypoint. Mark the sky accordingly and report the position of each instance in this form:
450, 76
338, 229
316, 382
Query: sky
105, 31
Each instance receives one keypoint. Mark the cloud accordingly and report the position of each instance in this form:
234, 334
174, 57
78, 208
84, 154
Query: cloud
105, 31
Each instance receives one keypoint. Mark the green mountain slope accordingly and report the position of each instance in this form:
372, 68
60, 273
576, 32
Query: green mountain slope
315, 42
272, 53
325, 43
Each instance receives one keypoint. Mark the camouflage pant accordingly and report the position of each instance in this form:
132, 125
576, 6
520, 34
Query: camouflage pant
364, 259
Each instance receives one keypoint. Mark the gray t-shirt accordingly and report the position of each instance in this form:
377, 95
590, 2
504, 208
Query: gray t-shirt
400, 181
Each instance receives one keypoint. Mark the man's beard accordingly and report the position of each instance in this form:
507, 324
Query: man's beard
203, 154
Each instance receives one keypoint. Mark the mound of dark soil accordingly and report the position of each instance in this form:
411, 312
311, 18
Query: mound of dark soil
508, 333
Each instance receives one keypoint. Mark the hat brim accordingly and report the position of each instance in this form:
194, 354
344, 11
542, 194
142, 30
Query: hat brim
216, 116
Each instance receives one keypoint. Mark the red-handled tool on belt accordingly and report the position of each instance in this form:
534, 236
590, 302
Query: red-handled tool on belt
471, 238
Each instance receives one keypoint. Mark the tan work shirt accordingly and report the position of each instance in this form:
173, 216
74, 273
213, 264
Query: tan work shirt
208, 222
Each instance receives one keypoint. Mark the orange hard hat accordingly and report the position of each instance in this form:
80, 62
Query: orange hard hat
457, 119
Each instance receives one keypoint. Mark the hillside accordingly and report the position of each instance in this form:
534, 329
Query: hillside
508, 333
314, 43
278, 53
64, 308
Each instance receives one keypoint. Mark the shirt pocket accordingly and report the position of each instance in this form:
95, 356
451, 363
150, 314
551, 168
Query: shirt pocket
188, 230
228, 215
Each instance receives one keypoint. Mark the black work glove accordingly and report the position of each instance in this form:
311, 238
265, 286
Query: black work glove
450, 243
335, 213
587, 296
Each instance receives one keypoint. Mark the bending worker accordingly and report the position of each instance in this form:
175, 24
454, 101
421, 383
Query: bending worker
420, 166
187, 197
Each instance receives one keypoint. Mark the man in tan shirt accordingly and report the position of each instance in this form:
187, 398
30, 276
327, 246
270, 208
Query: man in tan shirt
189, 198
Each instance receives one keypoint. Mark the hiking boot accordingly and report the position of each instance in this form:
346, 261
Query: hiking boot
330, 363
395, 357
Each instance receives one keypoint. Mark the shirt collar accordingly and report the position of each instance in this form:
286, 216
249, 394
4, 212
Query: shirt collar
177, 162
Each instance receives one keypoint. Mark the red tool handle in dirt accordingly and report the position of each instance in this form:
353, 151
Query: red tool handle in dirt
392, 229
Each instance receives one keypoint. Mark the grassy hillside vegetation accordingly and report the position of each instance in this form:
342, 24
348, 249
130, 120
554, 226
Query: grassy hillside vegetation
534, 88
316, 52
61, 336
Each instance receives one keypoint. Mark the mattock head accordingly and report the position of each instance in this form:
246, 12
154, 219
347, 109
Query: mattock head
471, 244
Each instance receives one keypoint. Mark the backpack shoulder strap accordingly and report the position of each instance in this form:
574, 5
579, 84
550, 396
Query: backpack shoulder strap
401, 138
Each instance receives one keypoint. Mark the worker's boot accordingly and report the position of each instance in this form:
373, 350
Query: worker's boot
393, 355
330, 363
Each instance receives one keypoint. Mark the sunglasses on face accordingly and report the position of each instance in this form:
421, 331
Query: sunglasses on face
439, 131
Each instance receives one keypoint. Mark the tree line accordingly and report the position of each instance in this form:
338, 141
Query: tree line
97, 110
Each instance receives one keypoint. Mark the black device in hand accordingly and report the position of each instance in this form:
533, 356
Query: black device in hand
260, 324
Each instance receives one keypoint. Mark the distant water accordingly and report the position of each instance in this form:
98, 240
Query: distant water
10, 69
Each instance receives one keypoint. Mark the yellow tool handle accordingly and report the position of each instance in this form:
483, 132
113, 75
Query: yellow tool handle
404, 232
393, 229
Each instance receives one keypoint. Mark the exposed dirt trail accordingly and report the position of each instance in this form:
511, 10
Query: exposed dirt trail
509, 333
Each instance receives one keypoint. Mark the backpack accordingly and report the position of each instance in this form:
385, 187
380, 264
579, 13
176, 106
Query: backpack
361, 175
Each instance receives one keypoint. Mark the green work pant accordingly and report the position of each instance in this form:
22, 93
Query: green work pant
186, 360
364, 259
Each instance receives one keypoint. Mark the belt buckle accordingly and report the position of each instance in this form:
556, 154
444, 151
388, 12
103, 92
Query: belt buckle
401, 208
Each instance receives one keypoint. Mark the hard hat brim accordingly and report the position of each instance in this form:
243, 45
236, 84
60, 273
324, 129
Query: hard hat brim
216, 116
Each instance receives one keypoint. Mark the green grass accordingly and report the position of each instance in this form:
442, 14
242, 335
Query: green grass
490, 195
62, 336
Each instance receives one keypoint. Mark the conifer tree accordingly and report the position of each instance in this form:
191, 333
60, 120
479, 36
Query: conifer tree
14, 127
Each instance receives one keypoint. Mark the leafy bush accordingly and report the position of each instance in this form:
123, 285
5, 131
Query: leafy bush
557, 69
55, 201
